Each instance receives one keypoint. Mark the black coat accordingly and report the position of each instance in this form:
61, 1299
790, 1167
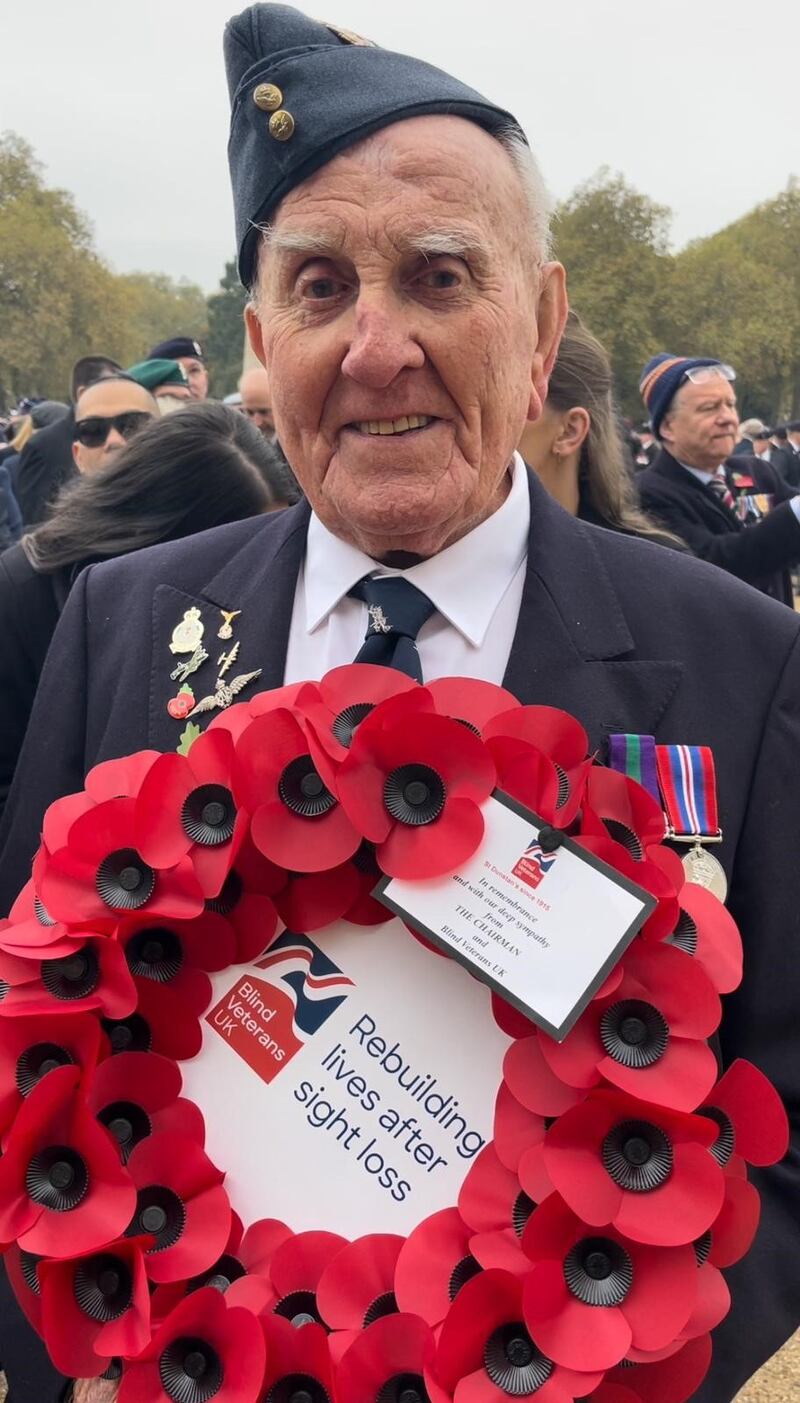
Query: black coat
30, 606
762, 554
44, 466
625, 635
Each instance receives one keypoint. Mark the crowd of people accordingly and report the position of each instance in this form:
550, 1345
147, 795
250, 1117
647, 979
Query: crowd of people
438, 431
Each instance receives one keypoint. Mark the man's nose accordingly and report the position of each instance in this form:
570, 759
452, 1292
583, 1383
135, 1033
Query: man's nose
114, 440
382, 343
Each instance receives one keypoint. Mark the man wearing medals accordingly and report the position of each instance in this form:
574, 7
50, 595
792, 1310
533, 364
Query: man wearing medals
409, 317
735, 511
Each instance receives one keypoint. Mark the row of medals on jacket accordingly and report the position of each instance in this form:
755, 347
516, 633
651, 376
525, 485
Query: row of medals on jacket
187, 638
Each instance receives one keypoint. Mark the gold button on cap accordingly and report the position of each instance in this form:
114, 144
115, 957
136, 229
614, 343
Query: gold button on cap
281, 125
268, 97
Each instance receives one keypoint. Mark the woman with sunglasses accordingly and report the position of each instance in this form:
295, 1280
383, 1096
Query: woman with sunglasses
198, 468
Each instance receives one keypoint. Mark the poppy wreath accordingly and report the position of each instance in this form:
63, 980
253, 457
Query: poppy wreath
584, 1257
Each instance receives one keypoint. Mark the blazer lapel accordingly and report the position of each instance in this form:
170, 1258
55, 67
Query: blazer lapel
259, 582
668, 467
573, 648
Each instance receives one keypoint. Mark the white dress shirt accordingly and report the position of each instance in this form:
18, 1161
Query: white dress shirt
475, 584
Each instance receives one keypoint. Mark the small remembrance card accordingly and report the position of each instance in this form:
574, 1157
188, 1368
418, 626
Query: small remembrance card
542, 928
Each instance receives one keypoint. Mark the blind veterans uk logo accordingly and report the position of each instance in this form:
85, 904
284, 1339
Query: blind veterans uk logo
534, 864
267, 1021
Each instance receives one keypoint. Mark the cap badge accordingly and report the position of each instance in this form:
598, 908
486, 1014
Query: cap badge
268, 97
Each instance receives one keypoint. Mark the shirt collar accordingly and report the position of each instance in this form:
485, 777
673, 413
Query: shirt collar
699, 473
466, 581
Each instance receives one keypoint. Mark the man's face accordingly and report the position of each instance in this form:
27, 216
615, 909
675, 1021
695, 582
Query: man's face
760, 446
256, 401
702, 424
95, 407
197, 375
398, 312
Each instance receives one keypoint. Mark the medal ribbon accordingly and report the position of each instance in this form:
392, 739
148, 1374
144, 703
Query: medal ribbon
688, 789
635, 756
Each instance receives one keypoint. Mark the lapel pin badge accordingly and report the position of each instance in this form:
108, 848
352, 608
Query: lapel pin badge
180, 705
225, 692
225, 630
188, 634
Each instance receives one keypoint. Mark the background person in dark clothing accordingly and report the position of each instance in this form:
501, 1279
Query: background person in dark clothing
46, 464
740, 516
201, 467
576, 447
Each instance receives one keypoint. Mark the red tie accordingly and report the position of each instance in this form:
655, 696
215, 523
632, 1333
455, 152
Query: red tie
721, 490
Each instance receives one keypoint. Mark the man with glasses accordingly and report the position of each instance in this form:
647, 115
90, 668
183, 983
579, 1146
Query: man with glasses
107, 414
739, 515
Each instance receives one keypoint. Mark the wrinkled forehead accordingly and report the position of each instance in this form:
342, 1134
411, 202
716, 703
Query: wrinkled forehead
421, 167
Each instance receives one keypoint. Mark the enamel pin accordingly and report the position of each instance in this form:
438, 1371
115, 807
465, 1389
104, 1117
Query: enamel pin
183, 670
225, 631
378, 620
187, 635
225, 692
180, 706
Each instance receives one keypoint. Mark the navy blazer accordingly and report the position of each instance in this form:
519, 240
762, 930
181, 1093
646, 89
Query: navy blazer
762, 554
623, 633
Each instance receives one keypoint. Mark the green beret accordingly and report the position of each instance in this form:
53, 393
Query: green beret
152, 373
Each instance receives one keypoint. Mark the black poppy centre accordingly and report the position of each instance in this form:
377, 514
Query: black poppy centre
36, 1061
124, 881
57, 1178
303, 791
403, 1388
514, 1363
131, 1034
385, 1304
598, 1272
208, 815
462, 1272
348, 721
73, 976
414, 795
300, 1308
160, 1214
221, 1276
637, 1156
297, 1388
156, 953
128, 1123
103, 1287
725, 1143
190, 1370
634, 1033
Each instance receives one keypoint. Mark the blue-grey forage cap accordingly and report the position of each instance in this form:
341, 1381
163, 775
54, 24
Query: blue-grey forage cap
302, 91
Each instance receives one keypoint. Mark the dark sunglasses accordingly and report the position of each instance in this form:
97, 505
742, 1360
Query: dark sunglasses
94, 431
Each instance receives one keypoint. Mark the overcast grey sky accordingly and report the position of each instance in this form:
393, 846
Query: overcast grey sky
697, 102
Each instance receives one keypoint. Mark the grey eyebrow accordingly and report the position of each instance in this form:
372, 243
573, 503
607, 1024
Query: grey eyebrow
299, 241
456, 243
433, 243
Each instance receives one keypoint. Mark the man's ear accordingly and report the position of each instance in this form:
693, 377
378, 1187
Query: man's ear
255, 334
551, 316
76, 448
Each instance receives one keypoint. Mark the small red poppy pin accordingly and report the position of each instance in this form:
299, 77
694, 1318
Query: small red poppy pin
180, 705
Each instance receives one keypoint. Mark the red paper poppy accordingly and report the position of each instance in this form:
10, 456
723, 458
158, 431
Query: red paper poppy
623, 809
592, 1294
414, 789
30, 1048
642, 1168
22, 1270
62, 1187
163, 962
672, 1380
204, 1349
337, 705
733, 1231
294, 1272
121, 778
434, 1264
707, 930
647, 1038
245, 1258
296, 821
137, 1094
471, 701
93, 976
391, 1356
659, 872
95, 1307
749, 1115
312, 900
158, 1024
515, 1128
532, 1081
365, 910
60, 816
180, 1203
185, 808
30, 932
712, 1302
246, 902
299, 1364
357, 1285
491, 1197
540, 754
487, 1352
100, 873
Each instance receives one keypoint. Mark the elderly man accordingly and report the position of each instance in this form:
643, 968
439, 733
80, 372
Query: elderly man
254, 400
409, 316
738, 514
